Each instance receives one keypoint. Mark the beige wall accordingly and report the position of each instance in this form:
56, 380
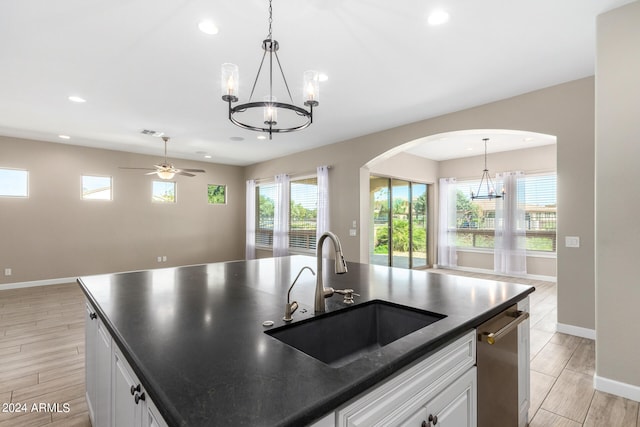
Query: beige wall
54, 234
566, 111
617, 201
54, 237
529, 160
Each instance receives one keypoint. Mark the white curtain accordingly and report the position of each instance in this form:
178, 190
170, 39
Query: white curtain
250, 246
510, 254
447, 256
322, 221
281, 217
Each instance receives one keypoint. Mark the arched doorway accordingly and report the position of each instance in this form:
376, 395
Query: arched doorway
422, 162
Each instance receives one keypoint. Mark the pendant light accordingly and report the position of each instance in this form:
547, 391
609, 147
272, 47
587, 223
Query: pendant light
490, 192
296, 118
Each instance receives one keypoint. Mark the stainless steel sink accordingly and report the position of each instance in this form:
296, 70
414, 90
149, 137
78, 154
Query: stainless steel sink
343, 336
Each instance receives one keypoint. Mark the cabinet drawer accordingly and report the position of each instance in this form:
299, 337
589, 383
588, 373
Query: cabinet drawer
404, 394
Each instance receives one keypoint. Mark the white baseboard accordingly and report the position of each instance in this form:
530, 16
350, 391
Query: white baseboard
628, 391
577, 331
37, 283
553, 279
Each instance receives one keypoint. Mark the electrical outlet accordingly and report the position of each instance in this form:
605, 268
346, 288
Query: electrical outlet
572, 241
164, 258
7, 272
353, 232
159, 259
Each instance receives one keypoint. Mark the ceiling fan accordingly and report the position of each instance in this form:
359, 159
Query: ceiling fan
166, 170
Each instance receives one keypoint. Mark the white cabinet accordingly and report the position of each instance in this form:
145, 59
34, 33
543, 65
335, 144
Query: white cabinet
102, 408
90, 334
443, 385
97, 369
455, 406
126, 394
115, 397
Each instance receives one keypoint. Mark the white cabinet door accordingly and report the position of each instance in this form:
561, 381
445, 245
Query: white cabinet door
102, 406
456, 405
125, 410
153, 418
90, 334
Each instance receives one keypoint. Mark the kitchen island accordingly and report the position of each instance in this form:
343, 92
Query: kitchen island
195, 339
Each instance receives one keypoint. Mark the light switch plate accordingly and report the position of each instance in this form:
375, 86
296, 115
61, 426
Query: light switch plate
572, 241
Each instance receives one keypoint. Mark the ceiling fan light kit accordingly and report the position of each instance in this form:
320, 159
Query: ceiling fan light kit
486, 179
298, 117
166, 170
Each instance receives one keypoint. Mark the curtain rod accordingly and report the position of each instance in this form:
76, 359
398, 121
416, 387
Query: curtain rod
288, 173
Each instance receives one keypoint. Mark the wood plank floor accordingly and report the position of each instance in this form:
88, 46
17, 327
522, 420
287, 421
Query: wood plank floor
42, 362
42, 357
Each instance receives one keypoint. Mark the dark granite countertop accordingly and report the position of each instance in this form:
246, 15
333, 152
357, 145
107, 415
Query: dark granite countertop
195, 339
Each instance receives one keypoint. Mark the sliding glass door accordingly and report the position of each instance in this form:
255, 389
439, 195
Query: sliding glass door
398, 223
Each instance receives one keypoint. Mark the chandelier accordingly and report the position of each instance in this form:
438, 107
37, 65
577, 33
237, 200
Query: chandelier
486, 179
269, 115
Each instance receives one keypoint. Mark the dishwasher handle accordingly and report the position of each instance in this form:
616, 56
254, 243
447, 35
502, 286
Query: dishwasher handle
493, 337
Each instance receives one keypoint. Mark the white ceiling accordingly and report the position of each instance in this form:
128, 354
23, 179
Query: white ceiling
143, 64
468, 143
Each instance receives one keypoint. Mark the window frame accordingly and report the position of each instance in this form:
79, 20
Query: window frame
82, 195
530, 252
225, 194
27, 182
269, 247
164, 202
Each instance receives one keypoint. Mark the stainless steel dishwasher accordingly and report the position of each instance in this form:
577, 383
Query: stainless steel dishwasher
497, 360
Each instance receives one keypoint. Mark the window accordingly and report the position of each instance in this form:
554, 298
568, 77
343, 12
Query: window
476, 218
14, 183
96, 187
163, 192
398, 222
217, 194
540, 212
302, 214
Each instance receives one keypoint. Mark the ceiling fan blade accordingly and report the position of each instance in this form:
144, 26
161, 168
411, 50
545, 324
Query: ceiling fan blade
151, 173
182, 172
194, 170
144, 169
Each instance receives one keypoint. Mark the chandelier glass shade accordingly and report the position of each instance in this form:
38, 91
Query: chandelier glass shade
269, 115
486, 183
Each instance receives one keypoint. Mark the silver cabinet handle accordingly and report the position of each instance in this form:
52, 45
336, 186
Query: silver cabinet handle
493, 337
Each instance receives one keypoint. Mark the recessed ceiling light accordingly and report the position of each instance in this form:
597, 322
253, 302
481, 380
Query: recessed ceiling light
208, 27
438, 17
528, 139
208, 156
236, 138
322, 77
64, 137
470, 149
262, 137
77, 99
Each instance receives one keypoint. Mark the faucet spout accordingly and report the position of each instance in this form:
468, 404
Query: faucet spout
291, 307
340, 268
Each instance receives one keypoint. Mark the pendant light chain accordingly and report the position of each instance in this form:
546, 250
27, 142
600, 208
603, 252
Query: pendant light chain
270, 37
